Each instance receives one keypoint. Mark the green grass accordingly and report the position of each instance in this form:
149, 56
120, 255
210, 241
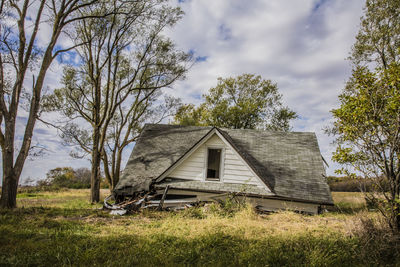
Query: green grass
63, 229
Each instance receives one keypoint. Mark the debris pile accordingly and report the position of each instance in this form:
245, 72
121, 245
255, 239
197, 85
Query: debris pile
145, 201
127, 205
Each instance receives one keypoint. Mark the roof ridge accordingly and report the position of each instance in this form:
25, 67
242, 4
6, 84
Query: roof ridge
226, 129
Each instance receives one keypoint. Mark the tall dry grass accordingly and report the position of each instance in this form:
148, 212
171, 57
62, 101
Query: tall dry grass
61, 228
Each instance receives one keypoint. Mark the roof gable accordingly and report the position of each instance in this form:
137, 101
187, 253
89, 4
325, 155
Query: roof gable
207, 137
187, 153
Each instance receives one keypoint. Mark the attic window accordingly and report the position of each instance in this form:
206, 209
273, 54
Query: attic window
214, 164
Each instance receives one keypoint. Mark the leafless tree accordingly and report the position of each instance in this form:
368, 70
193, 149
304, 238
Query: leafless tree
21, 57
125, 60
127, 125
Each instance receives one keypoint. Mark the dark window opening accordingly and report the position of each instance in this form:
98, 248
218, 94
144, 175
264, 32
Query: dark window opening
213, 163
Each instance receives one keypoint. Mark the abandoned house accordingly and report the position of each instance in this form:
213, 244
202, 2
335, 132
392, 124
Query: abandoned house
187, 164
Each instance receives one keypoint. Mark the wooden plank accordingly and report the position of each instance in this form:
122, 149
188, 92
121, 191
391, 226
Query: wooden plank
244, 182
186, 177
160, 206
173, 191
188, 171
240, 167
199, 158
233, 162
189, 167
193, 163
231, 154
173, 201
215, 140
238, 172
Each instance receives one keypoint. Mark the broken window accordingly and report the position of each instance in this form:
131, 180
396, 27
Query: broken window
214, 163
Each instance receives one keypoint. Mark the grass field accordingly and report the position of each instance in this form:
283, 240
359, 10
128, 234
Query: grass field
63, 229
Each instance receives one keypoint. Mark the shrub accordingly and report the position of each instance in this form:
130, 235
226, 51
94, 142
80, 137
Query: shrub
193, 212
378, 242
228, 207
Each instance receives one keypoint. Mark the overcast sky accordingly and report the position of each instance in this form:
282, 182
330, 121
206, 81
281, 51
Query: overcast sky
300, 44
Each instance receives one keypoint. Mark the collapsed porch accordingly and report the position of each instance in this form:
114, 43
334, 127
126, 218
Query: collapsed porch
174, 194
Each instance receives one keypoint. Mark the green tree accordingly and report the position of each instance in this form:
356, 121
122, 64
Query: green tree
189, 115
367, 122
244, 102
367, 127
379, 36
67, 177
61, 177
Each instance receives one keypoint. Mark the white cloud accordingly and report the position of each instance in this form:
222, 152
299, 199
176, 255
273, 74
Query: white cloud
301, 45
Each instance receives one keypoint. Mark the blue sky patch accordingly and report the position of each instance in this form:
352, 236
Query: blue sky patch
318, 4
67, 57
225, 32
201, 59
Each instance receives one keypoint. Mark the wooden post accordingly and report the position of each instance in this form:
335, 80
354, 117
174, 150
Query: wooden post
160, 206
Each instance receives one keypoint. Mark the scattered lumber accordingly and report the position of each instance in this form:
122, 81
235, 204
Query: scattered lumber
146, 201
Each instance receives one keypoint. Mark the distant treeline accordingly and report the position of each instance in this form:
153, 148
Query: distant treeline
64, 177
348, 184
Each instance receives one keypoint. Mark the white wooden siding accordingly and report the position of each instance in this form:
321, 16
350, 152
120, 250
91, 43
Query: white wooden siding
192, 168
234, 169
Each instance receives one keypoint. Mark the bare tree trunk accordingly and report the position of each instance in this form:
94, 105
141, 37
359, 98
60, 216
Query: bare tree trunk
9, 191
117, 170
95, 184
10, 181
10, 172
95, 176
107, 173
112, 175
397, 221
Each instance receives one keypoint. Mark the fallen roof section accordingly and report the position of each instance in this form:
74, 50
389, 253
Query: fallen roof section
289, 164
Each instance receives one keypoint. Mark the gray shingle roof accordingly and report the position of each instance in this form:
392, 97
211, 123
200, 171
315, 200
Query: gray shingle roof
158, 147
290, 164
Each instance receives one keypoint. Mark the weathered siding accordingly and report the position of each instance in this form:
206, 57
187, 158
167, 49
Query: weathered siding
234, 169
193, 167
276, 205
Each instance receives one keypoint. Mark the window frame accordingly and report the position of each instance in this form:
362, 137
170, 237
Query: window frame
221, 164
